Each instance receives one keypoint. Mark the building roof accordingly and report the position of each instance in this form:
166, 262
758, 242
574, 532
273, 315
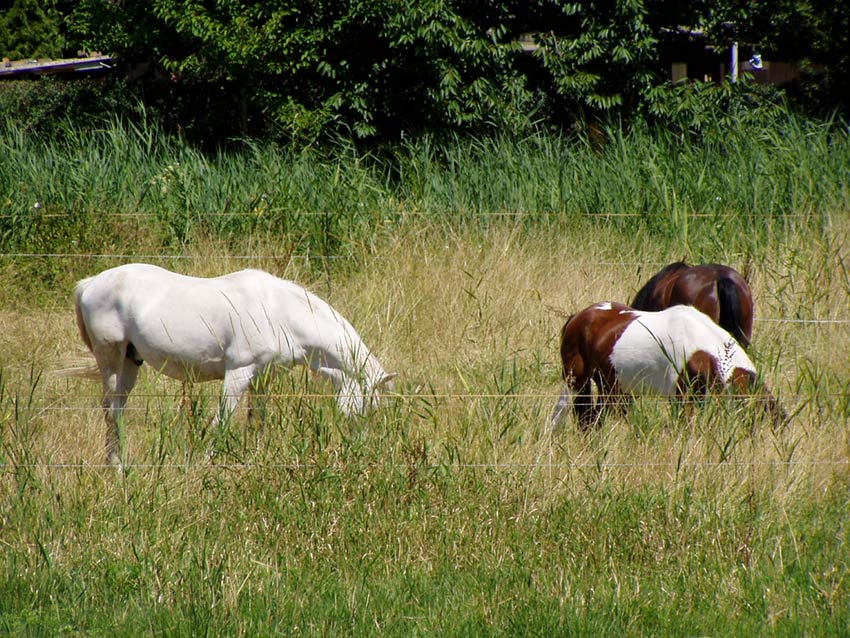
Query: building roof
95, 62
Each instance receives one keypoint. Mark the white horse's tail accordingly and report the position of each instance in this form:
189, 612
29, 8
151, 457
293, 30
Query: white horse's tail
81, 324
81, 367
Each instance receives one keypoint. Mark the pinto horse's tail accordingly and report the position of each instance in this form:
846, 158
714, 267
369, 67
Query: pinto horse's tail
565, 347
731, 310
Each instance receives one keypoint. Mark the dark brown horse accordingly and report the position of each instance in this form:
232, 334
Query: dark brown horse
716, 290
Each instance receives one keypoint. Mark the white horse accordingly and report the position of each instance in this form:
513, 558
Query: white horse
234, 327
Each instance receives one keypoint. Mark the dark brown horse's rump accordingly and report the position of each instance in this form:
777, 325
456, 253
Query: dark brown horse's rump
719, 291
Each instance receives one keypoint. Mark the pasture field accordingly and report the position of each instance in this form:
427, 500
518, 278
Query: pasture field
452, 510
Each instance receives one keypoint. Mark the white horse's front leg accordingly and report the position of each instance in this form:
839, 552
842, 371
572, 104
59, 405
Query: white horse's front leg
236, 383
349, 393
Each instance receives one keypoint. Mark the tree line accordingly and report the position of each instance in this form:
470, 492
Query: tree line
383, 69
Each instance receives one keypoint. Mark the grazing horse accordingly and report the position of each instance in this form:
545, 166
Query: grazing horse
233, 327
672, 353
718, 291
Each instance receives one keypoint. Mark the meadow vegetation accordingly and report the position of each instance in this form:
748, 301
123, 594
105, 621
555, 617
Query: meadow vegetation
453, 510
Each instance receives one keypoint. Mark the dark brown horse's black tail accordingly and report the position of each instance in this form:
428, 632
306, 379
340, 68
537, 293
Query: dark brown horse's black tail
731, 313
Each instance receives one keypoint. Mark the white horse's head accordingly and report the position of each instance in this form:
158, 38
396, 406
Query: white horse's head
358, 396
381, 386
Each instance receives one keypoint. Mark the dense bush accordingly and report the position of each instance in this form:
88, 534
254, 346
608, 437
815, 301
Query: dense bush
297, 69
382, 70
31, 29
48, 105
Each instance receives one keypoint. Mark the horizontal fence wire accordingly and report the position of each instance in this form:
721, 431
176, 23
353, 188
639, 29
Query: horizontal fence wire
776, 320
255, 256
318, 256
163, 256
295, 467
803, 321
407, 395
207, 255
54, 403
163, 216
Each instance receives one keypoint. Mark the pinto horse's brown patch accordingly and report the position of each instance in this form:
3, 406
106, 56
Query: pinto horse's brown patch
587, 340
699, 376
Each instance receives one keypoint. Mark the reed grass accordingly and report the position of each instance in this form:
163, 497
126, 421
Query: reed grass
125, 189
453, 510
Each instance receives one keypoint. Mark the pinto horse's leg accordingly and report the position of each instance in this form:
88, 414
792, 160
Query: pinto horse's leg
119, 375
560, 409
611, 397
587, 413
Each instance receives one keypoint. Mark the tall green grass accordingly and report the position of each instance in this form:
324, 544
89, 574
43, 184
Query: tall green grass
130, 189
307, 530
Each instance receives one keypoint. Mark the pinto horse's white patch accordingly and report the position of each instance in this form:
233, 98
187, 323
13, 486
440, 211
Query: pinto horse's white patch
654, 349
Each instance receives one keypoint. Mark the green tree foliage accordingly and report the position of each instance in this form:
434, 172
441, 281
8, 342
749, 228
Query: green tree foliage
306, 67
299, 69
32, 28
384, 67
600, 54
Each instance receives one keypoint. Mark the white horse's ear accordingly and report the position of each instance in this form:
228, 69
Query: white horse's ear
387, 378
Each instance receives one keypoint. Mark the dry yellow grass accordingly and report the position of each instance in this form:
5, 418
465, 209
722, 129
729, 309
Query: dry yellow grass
471, 323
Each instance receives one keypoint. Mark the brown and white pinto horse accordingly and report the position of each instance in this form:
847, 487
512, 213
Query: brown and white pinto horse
718, 291
673, 353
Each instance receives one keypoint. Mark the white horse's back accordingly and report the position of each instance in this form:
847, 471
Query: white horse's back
198, 327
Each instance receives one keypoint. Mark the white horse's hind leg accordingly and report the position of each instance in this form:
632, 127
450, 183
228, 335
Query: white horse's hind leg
118, 377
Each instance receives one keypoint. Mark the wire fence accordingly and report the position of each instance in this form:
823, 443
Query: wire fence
296, 467
421, 396
678, 465
323, 257
163, 216
256, 256
162, 256
90, 402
